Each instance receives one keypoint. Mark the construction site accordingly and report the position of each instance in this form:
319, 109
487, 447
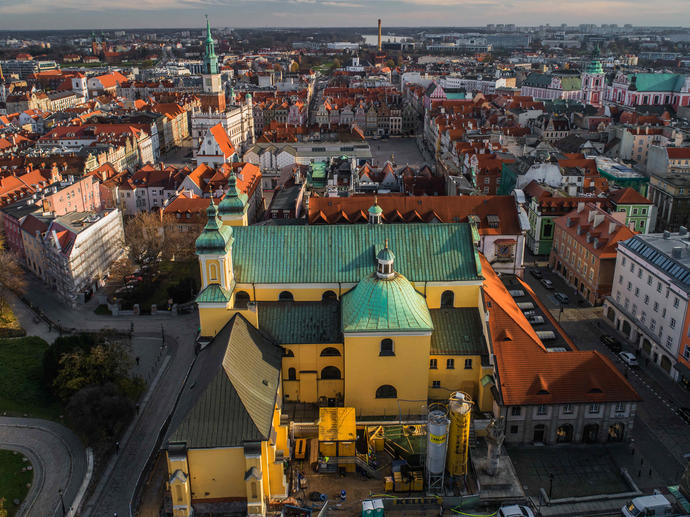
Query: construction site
447, 460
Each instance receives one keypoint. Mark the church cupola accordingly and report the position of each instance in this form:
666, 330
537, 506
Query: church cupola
234, 202
375, 213
384, 262
215, 238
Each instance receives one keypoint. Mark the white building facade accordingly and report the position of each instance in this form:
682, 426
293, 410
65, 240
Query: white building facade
650, 294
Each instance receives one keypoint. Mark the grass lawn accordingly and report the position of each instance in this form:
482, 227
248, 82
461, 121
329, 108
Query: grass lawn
13, 479
21, 379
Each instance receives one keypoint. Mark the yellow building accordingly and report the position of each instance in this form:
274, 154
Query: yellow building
379, 318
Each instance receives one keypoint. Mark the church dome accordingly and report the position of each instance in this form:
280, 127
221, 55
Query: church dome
390, 304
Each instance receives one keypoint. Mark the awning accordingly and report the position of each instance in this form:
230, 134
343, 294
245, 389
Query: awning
682, 369
505, 242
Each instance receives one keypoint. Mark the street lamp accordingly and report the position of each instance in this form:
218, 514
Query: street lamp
62, 502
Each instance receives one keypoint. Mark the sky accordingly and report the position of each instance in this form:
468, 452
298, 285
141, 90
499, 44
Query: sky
108, 14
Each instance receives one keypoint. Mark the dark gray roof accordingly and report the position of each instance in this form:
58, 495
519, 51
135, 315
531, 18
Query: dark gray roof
229, 396
301, 322
656, 250
457, 332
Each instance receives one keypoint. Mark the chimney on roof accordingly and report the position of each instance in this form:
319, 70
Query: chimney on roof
677, 252
682, 231
667, 234
580, 206
612, 227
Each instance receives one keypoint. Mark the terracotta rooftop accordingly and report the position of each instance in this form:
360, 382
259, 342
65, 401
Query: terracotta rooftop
528, 374
628, 196
595, 229
415, 209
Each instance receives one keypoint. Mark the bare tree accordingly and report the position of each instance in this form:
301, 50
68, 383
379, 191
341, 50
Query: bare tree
145, 239
11, 273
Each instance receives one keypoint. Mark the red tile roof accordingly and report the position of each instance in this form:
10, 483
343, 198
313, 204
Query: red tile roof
604, 229
530, 375
447, 209
678, 153
223, 140
628, 196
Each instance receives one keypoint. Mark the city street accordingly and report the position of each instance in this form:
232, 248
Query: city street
660, 434
57, 457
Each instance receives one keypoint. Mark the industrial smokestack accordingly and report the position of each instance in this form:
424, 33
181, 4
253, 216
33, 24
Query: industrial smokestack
379, 34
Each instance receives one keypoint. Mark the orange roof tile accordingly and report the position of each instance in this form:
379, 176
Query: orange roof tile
530, 375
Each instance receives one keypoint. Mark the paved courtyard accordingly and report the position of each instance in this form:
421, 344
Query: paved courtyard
404, 151
577, 470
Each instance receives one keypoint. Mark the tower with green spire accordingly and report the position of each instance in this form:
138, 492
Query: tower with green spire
210, 58
211, 74
233, 208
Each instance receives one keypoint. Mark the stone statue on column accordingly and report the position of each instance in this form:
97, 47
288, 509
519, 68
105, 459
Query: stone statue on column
495, 434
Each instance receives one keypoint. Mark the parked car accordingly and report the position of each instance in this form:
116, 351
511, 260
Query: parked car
612, 343
563, 298
684, 413
547, 283
536, 273
514, 510
628, 358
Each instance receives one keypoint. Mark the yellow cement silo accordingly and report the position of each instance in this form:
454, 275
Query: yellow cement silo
459, 409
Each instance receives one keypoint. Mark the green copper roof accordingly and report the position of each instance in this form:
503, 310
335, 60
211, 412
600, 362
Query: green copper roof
457, 332
301, 322
215, 237
375, 210
385, 255
657, 82
213, 293
568, 82
347, 253
594, 67
233, 202
318, 174
377, 304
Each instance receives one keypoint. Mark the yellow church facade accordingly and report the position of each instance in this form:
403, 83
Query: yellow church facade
380, 318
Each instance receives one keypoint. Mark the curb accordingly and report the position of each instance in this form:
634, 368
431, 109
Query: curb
79, 498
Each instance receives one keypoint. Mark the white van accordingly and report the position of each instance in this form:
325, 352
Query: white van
649, 505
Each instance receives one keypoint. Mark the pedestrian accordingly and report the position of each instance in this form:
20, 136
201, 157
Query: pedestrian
117, 447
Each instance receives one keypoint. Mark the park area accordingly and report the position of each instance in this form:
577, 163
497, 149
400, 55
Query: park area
16, 475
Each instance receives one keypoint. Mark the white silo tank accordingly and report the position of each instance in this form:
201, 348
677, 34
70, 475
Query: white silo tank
437, 442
